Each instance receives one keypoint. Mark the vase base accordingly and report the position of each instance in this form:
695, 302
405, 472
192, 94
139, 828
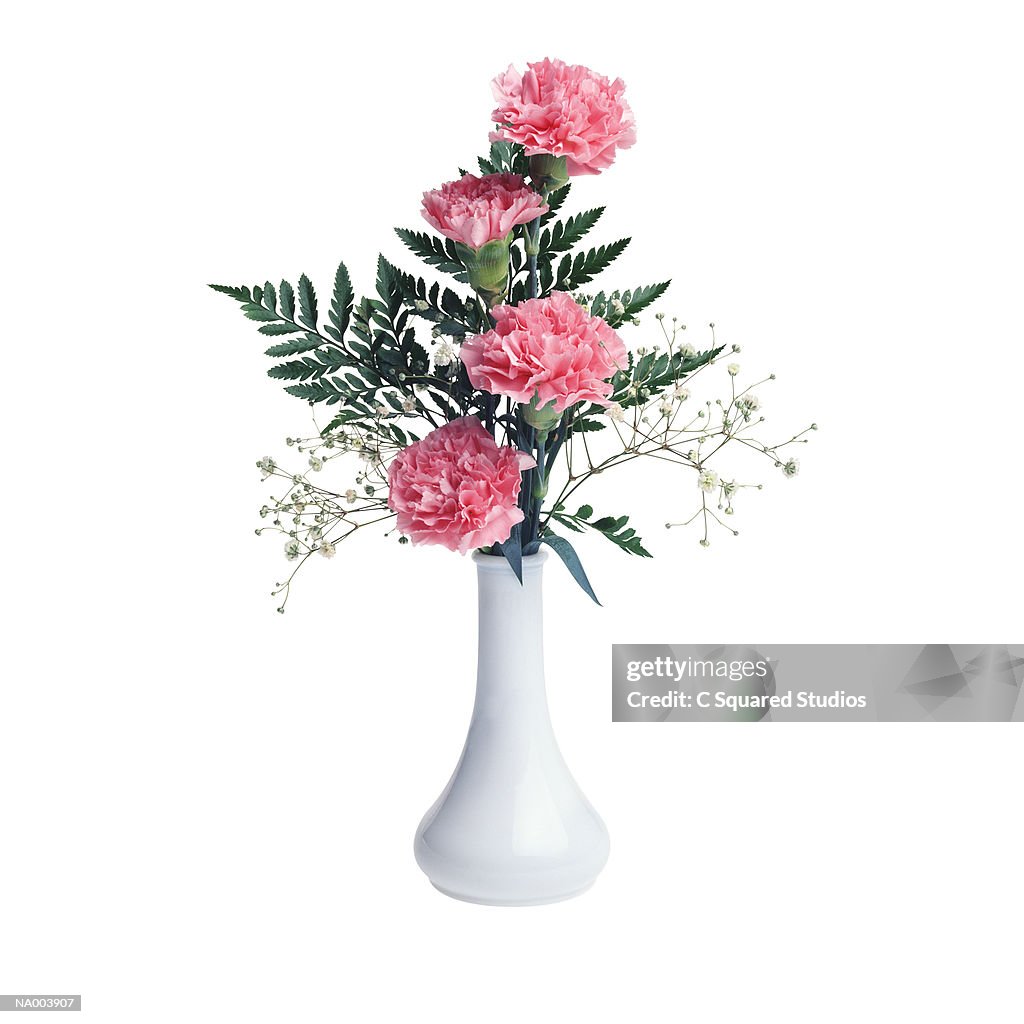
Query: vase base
542, 901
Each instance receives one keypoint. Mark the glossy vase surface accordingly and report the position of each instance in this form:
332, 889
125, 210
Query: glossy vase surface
511, 828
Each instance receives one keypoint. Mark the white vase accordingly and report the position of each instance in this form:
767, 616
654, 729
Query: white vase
511, 827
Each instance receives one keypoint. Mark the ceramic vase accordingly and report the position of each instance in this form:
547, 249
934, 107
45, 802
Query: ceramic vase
511, 828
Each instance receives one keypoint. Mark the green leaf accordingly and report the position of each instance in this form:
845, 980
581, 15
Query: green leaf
307, 343
555, 202
584, 512
238, 294
641, 298
564, 235
307, 303
567, 522
587, 424
617, 532
621, 306
341, 301
287, 297
567, 554
512, 549
298, 369
279, 328
586, 266
700, 359
434, 252
255, 312
320, 391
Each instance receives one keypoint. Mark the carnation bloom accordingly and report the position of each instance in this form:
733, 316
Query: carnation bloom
476, 211
548, 350
457, 487
565, 110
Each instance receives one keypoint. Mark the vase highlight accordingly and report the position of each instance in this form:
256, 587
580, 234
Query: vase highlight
512, 827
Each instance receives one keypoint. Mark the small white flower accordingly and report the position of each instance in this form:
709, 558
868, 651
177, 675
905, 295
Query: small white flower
327, 549
409, 404
266, 466
733, 369
751, 402
380, 410
617, 307
729, 489
350, 496
615, 412
707, 481
642, 350
316, 463
292, 550
791, 468
422, 305
444, 354
687, 351
681, 394
666, 405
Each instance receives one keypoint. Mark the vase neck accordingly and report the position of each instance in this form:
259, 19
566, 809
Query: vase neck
511, 623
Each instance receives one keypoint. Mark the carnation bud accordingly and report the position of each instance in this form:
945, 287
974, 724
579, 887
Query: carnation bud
541, 418
487, 268
548, 172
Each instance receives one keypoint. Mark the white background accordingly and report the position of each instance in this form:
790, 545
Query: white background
209, 807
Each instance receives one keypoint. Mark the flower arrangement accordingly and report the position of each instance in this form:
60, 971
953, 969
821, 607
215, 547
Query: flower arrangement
526, 390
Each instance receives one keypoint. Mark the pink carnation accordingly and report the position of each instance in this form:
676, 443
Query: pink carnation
551, 349
476, 211
566, 110
457, 487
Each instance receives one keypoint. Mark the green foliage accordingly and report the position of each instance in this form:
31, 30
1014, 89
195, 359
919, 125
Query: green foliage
573, 273
341, 304
452, 314
287, 300
563, 235
556, 200
505, 158
632, 302
567, 554
307, 303
512, 549
614, 528
295, 347
366, 354
435, 252
238, 294
655, 371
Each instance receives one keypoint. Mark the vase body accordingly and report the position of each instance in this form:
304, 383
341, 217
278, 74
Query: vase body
511, 827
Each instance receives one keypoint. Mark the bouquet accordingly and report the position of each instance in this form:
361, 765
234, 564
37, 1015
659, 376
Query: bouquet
481, 434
